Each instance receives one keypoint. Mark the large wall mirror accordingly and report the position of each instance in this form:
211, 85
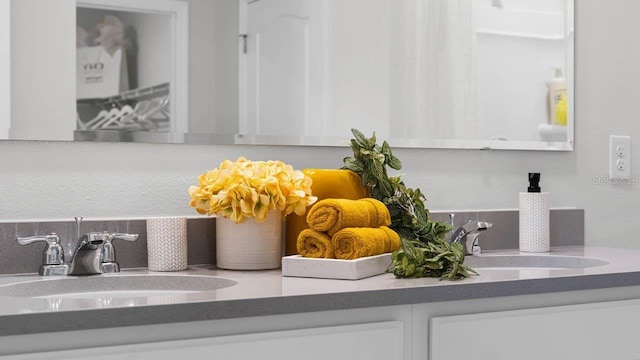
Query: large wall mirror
468, 74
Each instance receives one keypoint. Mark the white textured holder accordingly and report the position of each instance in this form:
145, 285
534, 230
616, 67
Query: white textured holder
249, 245
534, 222
167, 243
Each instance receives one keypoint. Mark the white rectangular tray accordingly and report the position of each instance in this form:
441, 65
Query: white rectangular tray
296, 265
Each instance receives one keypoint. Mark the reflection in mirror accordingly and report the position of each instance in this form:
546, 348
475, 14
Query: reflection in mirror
475, 73
114, 67
421, 73
126, 72
113, 92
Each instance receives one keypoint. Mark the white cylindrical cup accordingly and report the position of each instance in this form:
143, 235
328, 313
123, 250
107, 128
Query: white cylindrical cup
167, 243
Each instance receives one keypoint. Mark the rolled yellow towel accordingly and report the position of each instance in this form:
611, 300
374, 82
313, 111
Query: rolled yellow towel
331, 215
353, 243
314, 244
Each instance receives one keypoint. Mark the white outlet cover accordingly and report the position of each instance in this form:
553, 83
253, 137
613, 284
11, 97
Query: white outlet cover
620, 157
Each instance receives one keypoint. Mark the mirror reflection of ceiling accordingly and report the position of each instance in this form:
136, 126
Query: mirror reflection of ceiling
473, 74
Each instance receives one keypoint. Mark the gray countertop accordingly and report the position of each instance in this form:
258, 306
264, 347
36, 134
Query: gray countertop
258, 293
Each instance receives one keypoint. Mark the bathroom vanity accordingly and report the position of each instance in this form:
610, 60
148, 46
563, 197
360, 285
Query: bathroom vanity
567, 305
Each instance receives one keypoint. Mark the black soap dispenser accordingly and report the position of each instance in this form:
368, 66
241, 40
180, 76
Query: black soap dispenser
534, 217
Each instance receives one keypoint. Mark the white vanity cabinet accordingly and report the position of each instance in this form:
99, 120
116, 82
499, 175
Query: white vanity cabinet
375, 333
596, 331
588, 324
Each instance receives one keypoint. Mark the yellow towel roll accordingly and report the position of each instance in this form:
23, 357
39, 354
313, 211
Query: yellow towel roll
353, 243
327, 184
314, 244
331, 215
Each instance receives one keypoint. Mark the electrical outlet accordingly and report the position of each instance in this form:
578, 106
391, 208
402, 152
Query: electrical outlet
620, 157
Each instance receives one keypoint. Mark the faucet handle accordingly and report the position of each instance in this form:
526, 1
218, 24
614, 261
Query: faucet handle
121, 236
108, 251
53, 255
109, 263
50, 239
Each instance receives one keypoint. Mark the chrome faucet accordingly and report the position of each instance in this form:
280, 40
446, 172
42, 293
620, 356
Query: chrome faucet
470, 228
94, 253
86, 257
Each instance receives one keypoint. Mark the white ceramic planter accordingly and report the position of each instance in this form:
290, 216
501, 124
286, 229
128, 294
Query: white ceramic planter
249, 245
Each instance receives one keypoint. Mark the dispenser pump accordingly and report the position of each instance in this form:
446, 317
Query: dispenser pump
534, 183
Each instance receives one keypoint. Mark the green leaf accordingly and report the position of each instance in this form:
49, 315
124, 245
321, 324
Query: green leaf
439, 256
394, 163
411, 270
353, 164
458, 250
360, 139
386, 150
404, 262
469, 271
454, 272
372, 141
420, 258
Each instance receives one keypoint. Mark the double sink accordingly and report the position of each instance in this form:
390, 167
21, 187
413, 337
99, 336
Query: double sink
136, 284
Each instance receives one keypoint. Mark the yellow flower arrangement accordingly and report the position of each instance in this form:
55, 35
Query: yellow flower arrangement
249, 189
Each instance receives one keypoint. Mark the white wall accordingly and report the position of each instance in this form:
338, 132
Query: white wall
213, 86
42, 61
154, 56
5, 68
359, 67
43, 180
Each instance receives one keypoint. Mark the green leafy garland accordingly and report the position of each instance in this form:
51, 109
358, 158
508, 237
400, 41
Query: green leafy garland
424, 252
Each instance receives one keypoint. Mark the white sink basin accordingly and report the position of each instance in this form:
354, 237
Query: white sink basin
531, 261
114, 286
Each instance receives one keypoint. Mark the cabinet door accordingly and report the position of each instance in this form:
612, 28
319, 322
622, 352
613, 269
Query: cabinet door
593, 331
285, 67
371, 341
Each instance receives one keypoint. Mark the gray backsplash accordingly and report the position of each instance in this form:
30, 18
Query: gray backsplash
567, 228
16, 258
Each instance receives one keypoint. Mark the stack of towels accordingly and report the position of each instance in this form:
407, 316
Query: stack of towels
347, 229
